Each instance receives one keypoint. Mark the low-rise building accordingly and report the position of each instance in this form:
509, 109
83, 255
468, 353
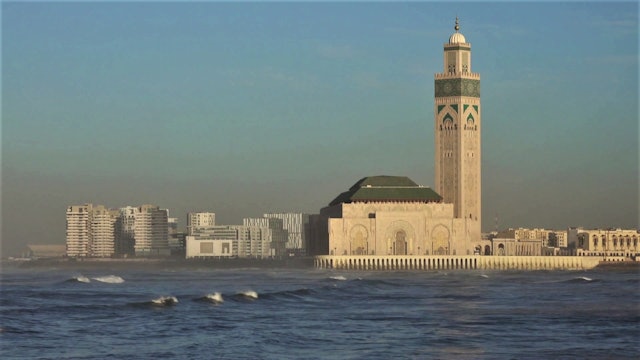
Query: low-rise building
608, 242
254, 239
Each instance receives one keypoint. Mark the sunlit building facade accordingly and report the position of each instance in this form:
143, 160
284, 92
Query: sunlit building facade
609, 242
200, 220
90, 231
297, 227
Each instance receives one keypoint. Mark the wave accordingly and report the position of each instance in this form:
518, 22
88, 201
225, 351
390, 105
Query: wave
248, 295
290, 294
215, 298
111, 279
80, 278
338, 277
582, 279
165, 301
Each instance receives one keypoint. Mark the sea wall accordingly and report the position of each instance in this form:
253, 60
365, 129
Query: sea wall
449, 262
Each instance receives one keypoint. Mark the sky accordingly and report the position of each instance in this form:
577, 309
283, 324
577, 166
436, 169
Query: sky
246, 108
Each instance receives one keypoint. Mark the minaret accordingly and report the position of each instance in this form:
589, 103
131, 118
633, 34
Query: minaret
457, 131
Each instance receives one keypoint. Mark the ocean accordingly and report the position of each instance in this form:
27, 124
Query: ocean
307, 313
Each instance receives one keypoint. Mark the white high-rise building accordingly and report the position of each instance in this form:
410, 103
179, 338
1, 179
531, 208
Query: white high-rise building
278, 233
78, 227
151, 231
125, 231
102, 238
90, 231
297, 226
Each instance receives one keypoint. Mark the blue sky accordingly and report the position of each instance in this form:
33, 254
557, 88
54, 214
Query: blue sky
246, 108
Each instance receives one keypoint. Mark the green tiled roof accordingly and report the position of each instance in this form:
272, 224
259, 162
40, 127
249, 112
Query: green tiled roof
387, 188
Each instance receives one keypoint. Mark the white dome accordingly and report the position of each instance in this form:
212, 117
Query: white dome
457, 38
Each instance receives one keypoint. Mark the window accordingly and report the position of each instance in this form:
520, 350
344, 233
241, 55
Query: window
206, 248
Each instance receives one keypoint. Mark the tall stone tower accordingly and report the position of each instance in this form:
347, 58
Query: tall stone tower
457, 132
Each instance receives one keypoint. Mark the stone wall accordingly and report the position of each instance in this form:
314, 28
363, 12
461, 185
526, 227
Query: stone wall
472, 262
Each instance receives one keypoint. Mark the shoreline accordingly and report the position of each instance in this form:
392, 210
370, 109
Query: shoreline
160, 263
223, 263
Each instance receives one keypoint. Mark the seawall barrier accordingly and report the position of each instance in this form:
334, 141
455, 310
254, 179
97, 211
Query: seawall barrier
453, 262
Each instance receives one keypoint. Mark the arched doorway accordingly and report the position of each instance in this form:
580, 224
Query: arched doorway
487, 250
501, 249
440, 238
358, 240
400, 243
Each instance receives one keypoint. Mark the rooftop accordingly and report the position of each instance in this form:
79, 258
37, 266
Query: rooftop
386, 188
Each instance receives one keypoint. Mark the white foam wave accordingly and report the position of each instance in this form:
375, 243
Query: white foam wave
249, 294
585, 278
484, 276
339, 278
215, 298
82, 279
111, 279
165, 300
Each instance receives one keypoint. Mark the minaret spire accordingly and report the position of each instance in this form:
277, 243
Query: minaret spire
457, 27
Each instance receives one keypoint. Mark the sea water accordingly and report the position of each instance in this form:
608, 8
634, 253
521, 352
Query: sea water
307, 313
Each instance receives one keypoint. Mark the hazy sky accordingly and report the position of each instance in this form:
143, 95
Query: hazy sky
246, 108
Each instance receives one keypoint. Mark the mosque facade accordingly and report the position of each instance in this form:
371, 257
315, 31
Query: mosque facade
392, 215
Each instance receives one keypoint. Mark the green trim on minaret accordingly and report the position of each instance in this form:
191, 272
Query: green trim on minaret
457, 87
470, 117
476, 107
464, 107
454, 107
446, 118
440, 107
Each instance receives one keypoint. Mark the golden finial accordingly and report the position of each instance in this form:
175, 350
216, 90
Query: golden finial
457, 27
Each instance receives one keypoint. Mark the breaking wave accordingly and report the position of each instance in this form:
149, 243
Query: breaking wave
582, 279
215, 298
248, 294
165, 301
338, 277
80, 278
111, 279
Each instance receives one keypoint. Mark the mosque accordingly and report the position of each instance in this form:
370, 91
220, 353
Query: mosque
392, 215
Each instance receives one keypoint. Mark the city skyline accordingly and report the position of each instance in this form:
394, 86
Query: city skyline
245, 109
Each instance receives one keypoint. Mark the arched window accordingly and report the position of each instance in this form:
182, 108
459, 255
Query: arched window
401, 243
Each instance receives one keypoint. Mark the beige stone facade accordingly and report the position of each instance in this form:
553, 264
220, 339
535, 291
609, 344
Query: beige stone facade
457, 129
609, 242
399, 228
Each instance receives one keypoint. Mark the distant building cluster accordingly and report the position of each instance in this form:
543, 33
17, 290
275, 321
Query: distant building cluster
273, 235
97, 231
573, 241
148, 231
